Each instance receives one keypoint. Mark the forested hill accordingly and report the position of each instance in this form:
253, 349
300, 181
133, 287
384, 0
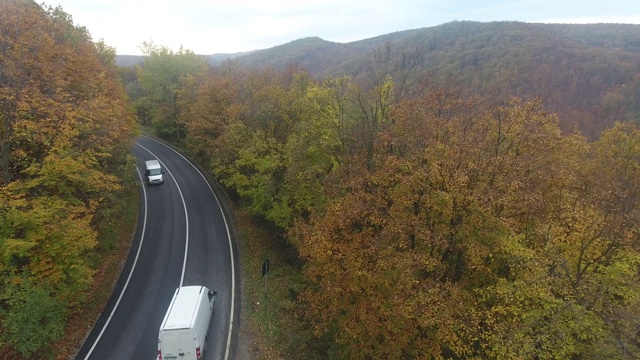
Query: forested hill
460, 43
588, 74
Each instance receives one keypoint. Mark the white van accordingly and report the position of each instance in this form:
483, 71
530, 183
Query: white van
185, 327
153, 172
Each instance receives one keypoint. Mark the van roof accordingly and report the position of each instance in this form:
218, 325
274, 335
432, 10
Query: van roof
152, 162
183, 307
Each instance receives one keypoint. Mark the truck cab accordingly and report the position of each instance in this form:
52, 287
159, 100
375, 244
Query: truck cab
153, 172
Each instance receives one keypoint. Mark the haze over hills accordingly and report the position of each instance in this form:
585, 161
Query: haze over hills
589, 74
457, 43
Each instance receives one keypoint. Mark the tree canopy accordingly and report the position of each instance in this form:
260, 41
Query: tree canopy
433, 222
63, 142
161, 78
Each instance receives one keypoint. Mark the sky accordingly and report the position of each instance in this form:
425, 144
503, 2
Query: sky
228, 26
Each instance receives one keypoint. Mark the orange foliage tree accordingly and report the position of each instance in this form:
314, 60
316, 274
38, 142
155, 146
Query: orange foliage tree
65, 132
474, 235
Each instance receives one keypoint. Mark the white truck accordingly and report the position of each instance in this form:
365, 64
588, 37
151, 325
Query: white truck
184, 329
153, 172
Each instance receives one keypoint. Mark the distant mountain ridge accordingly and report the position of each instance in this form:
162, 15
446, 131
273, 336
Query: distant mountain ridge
215, 59
440, 41
304, 51
589, 74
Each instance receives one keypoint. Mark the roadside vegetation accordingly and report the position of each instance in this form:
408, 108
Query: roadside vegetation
273, 323
115, 227
65, 142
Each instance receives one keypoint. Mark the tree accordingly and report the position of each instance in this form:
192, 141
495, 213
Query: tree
33, 319
489, 208
162, 76
313, 150
262, 149
27, 83
211, 107
65, 136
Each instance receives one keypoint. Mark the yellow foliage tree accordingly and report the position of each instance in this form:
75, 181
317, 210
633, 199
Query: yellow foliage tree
482, 231
64, 131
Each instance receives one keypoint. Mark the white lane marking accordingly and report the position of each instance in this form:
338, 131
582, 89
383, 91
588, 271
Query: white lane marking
144, 226
186, 216
226, 225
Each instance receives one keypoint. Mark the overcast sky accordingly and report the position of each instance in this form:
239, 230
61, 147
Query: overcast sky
228, 26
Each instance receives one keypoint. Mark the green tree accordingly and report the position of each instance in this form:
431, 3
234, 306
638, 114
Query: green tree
162, 76
255, 171
260, 138
33, 319
313, 150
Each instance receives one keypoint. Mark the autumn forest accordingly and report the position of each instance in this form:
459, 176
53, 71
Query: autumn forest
65, 142
429, 216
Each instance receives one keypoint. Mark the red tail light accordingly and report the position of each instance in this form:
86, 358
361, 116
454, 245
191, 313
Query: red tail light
159, 355
198, 354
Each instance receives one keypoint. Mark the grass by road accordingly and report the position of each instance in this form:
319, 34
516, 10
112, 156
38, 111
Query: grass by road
273, 324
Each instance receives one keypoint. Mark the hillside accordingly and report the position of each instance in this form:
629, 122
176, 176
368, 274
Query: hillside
587, 73
318, 56
450, 43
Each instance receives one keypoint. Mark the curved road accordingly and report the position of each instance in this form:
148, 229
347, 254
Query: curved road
182, 238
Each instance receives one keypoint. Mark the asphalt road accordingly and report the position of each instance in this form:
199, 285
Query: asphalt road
182, 239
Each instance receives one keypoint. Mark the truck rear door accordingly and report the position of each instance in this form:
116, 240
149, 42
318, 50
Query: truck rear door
178, 345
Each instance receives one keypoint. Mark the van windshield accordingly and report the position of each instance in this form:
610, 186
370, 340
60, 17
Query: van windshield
155, 172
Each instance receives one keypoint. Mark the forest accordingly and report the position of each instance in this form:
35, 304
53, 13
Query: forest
587, 74
427, 222
422, 218
65, 147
